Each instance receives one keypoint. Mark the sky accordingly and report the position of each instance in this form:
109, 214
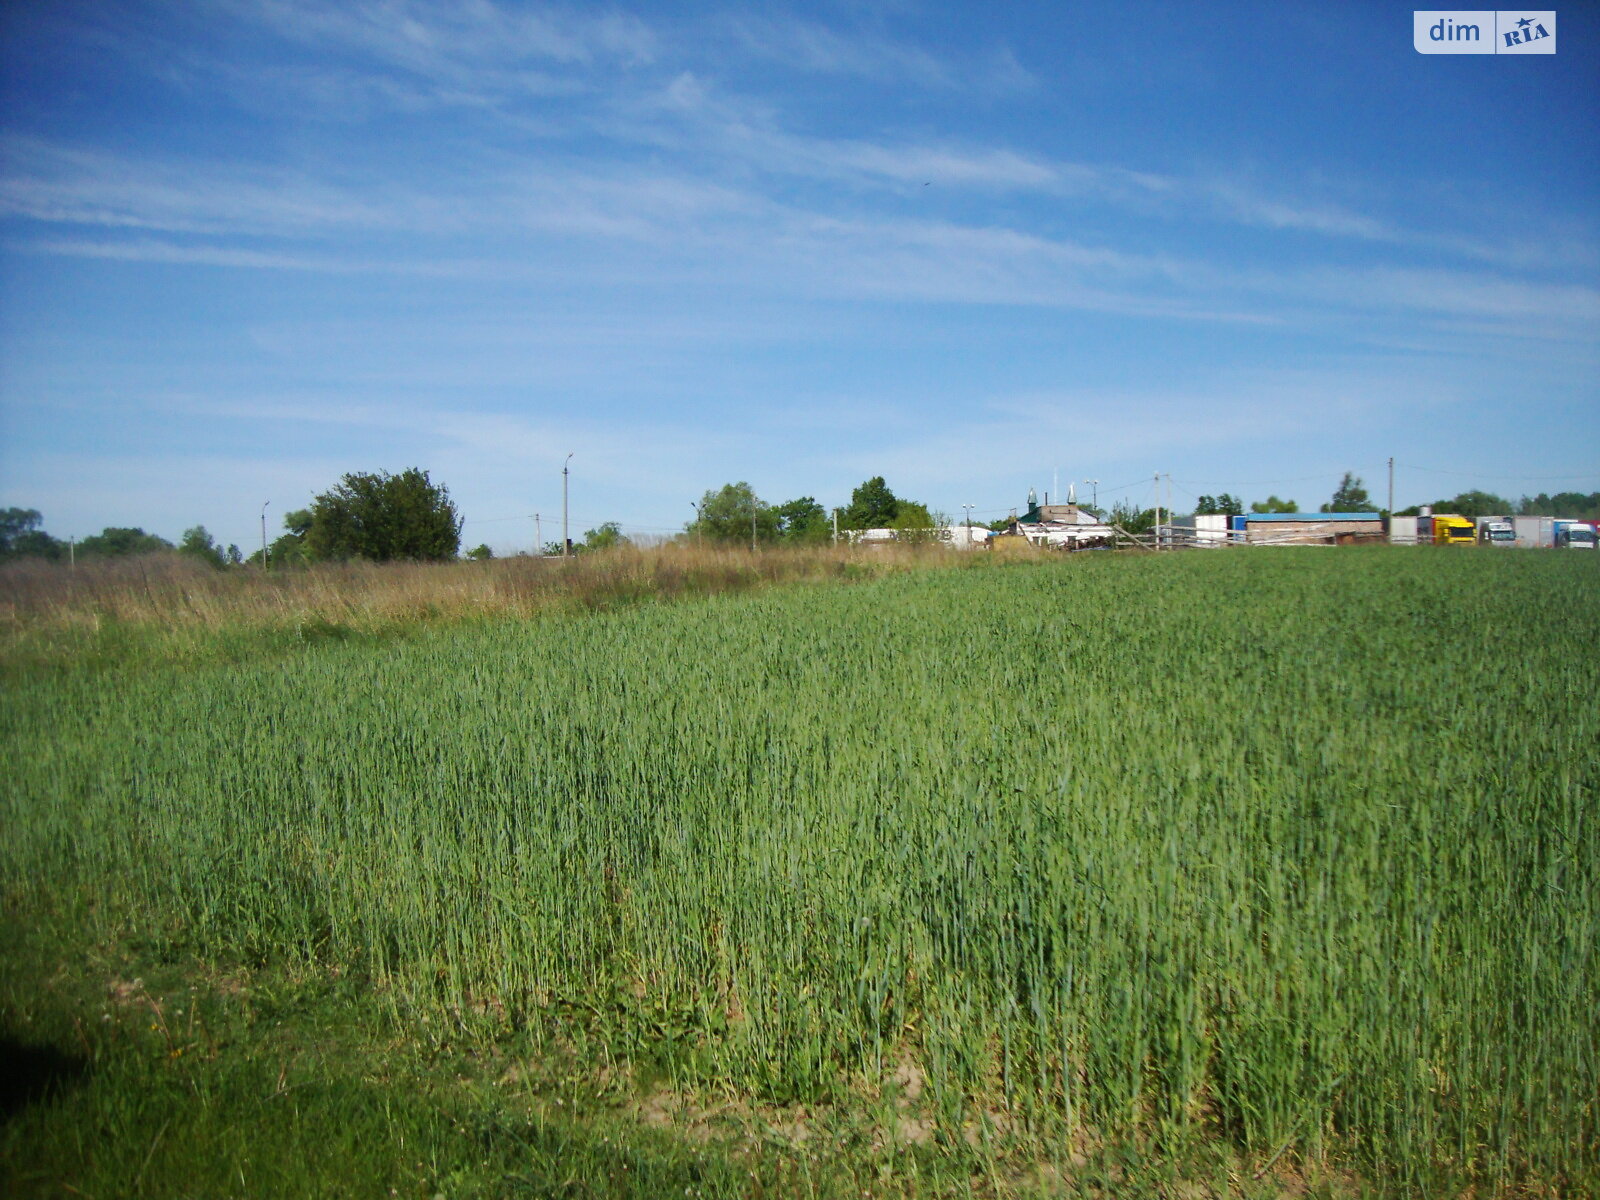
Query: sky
247, 246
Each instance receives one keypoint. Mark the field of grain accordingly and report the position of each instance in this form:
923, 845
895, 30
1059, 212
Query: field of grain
1295, 851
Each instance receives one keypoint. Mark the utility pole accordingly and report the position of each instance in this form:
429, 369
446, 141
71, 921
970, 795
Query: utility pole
72, 551
1095, 484
699, 533
566, 538
1391, 485
1169, 508
1158, 509
264, 504
538, 537
752, 522
968, 545
836, 525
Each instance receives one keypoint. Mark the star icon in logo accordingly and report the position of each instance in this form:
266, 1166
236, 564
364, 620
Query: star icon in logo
1525, 22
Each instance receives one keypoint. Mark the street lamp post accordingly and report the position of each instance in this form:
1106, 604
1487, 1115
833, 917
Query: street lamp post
264, 504
566, 537
699, 533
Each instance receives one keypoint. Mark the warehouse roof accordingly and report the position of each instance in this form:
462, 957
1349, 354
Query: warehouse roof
1314, 516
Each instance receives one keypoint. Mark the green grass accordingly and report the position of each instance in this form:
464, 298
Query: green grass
1128, 869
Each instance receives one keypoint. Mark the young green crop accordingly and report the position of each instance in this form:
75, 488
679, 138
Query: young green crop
1296, 848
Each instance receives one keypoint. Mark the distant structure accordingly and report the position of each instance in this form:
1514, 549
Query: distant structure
1059, 526
1309, 529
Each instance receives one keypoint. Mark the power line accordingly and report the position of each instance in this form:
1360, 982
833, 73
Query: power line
493, 520
1124, 487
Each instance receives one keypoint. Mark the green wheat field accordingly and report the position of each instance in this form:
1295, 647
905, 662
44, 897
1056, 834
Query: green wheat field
1265, 874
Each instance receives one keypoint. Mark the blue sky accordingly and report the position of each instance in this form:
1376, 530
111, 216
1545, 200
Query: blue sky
249, 245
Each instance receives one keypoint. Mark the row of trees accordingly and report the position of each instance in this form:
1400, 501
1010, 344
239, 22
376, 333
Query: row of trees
1576, 505
1351, 496
376, 516
22, 537
734, 514
382, 517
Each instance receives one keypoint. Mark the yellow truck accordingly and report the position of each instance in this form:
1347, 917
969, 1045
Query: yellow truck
1454, 531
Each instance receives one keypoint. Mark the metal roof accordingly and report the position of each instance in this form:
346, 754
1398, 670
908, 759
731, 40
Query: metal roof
1314, 516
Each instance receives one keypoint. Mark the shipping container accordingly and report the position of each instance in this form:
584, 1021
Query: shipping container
1403, 531
1534, 532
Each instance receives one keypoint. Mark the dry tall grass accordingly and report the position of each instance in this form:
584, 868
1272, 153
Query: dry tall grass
42, 599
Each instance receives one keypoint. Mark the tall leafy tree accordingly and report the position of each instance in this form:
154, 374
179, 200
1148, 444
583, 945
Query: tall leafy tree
198, 544
289, 548
1563, 504
21, 537
802, 522
872, 506
1131, 519
914, 523
726, 515
382, 517
1225, 505
1475, 504
1349, 496
1273, 505
604, 538
115, 542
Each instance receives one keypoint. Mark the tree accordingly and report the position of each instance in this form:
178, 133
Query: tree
1475, 504
1273, 505
289, 549
21, 537
726, 514
480, 553
198, 544
872, 506
383, 517
1350, 496
113, 542
606, 537
802, 522
1225, 505
1563, 504
914, 523
1132, 520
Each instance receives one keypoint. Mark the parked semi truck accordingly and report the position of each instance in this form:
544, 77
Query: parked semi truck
1573, 535
1496, 532
1453, 531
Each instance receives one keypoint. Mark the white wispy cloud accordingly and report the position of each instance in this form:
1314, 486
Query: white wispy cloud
689, 228
724, 207
154, 251
458, 42
1561, 306
1251, 207
809, 46
64, 184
